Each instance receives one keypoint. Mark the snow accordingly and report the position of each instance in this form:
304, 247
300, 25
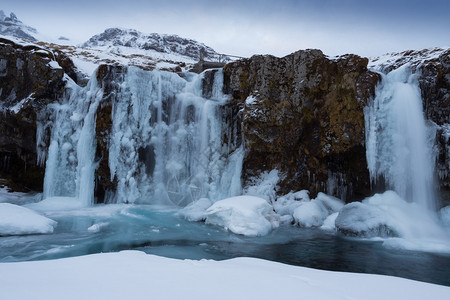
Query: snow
54, 65
264, 186
329, 223
246, 215
18, 220
404, 225
358, 219
98, 227
196, 211
17, 197
313, 213
56, 203
85, 66
19, 105
285, 205
413, 57
251, 100
298, 207
136, 275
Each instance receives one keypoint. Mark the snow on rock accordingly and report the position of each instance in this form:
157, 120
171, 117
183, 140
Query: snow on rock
264, 186
18, 220
12, 26
314, 212
405, 225
310, 214
136, 275
196, 211
246, 215
329, 223
391, 61
285, 205
18, 198
359, 219
332, 204
121, 41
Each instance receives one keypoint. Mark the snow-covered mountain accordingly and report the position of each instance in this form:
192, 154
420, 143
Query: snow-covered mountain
115, 46
391, 61
127, 41
12, 26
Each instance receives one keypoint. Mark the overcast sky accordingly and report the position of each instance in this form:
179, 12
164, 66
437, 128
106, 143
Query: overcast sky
246, 27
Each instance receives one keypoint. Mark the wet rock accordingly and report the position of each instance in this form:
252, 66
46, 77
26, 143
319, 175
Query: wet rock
303, 115
30, 79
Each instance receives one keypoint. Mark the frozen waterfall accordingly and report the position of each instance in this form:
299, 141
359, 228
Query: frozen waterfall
399, 141
168, 141
70, 164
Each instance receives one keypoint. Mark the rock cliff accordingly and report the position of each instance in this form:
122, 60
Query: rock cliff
303, 115
31, 78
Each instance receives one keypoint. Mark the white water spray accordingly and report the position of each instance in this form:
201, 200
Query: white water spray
399, 142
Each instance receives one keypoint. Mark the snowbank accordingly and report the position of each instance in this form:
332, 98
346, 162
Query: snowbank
135, 275
305, 212
246, 215
407, 225
18, 220
196, 211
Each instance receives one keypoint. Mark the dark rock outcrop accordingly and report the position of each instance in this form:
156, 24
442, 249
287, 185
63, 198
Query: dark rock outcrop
28, 83
303, 115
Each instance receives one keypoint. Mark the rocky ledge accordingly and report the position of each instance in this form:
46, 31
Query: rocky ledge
303, 115
31, 78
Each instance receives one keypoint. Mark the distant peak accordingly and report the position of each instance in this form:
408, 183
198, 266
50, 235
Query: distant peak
12, 26
123, 38
13, 16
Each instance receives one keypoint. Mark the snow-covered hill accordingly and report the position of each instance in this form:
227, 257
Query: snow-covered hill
391, 61
115, 46
173, 47
12, 26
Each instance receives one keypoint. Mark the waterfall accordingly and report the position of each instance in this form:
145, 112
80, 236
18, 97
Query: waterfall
70, 164
166, 142
399, 142
169, 141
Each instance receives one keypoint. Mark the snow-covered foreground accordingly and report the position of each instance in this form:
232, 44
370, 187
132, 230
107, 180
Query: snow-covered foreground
136, 275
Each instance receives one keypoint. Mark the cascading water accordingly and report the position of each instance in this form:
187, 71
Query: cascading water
400, 149
399, 142
166, 144
70, 164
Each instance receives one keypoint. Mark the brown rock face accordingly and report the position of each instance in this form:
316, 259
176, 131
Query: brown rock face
303, 115
27, 83
434, 81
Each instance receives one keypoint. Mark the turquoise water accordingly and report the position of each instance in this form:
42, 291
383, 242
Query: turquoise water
160, 231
